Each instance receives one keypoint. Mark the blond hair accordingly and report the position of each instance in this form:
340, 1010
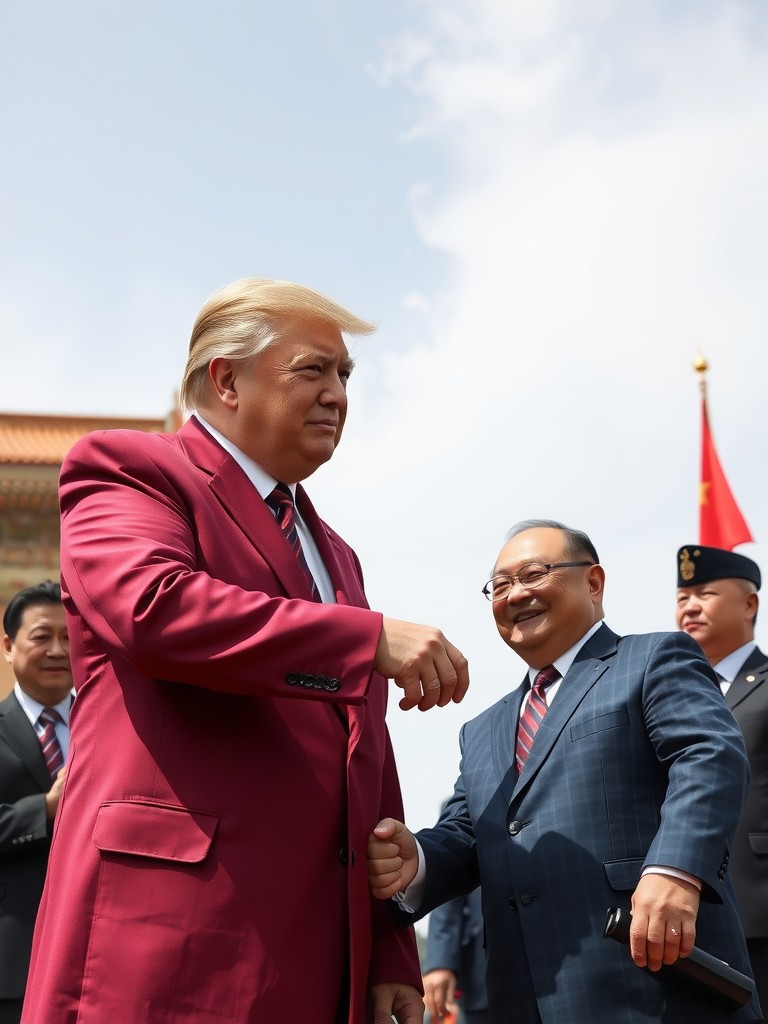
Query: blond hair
241, 319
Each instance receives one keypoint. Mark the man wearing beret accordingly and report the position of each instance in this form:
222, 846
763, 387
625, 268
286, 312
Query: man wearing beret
717, 603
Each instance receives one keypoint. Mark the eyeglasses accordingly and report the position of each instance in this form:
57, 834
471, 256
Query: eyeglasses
530, 576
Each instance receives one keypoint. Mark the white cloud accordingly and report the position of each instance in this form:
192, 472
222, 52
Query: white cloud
605, 216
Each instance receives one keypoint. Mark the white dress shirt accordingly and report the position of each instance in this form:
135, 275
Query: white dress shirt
32, 709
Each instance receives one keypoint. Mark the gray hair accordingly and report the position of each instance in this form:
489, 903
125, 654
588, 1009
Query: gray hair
577, 543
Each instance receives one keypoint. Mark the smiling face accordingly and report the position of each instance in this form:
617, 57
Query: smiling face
719, 615
286, 407
541, 623
39, 654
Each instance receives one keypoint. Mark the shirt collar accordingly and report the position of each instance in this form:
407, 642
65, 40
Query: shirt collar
564, 662
261, 480
32, 707
731, 664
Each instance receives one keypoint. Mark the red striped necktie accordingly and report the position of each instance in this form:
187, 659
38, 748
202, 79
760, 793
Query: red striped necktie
48, 741
281, 503
532, 716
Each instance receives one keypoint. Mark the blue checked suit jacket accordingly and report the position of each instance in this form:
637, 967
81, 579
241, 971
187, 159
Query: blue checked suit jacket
637, 762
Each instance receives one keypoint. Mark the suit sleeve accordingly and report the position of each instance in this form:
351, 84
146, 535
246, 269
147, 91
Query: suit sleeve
446, 924
449, 850
142, 574
24, 824
697, 740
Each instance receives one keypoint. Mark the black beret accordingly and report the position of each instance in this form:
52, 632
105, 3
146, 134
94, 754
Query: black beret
697, 564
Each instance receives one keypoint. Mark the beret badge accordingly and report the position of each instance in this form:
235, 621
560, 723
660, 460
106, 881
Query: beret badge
687, 567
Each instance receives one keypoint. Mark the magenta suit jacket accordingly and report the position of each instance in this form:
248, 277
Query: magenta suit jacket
229, 756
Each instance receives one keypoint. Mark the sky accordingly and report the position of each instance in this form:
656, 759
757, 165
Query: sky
547, 206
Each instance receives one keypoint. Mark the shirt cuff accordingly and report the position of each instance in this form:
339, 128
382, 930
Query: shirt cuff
410, 900
662, 869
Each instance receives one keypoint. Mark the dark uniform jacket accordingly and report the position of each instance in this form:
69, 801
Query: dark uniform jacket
25, 838
747, 698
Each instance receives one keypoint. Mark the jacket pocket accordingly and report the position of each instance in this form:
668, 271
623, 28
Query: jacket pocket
759, 842
623, 874
160, 831
610, 720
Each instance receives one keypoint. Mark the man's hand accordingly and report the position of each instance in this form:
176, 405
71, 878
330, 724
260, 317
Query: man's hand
440, 993
399, 1001
428, 668
664, 913
53, 795
393, 858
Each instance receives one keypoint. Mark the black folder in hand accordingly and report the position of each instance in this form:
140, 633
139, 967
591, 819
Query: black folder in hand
713, 977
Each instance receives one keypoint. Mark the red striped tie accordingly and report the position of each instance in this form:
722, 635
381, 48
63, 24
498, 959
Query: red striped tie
51, 749
281, 503
532, 717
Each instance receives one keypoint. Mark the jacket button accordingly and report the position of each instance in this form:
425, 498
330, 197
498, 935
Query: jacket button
343, 856
514, 827
512, 903
525, 900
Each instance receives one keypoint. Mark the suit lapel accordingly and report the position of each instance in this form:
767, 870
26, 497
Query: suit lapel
18, 732
503, 736
352, 716
242, 503
751, 676
347, 591
589, 665
244, 506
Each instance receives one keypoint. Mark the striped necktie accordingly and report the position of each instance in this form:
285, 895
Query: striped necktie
281, 503
48, 741
532, 716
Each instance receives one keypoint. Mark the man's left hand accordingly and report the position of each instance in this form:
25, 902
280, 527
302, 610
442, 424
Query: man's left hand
399, 1001
664, 913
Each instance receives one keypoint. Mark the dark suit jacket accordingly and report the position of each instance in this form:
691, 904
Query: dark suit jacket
24, 842
747, 698
455, 943
229, 756
637, 762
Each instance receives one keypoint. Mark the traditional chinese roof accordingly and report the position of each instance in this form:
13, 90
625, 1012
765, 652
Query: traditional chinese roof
33, 446
35, 440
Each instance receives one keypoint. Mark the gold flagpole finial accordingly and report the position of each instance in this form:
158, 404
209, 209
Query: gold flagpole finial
701, 366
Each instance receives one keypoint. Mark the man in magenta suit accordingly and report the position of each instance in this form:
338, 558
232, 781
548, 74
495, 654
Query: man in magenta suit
229, 753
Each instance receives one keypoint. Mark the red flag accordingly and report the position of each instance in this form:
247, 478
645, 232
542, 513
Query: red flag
721, 524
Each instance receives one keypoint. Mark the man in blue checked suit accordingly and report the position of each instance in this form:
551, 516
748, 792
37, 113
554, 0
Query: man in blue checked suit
614, 778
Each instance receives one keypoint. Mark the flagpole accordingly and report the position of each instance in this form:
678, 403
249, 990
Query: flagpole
721, 524
701, 366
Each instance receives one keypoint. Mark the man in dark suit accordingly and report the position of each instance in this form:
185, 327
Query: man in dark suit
454, 963
229, 748
617, 779
36, 646
717, 598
